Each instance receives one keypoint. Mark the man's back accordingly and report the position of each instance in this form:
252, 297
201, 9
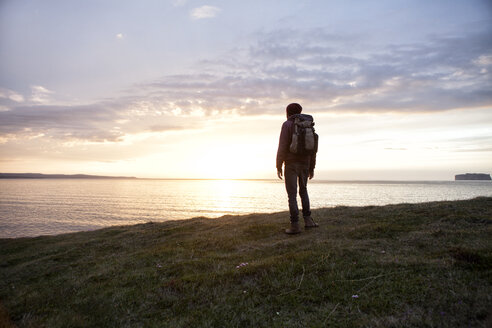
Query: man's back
283, 153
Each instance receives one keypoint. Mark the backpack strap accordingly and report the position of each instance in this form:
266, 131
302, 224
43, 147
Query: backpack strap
295, 136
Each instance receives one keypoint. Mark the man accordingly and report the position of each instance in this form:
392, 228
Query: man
298, 168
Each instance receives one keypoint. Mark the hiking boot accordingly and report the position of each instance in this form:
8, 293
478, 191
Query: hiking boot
309, 223
294, 229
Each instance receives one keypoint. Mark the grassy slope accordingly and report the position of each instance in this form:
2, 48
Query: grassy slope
409, 265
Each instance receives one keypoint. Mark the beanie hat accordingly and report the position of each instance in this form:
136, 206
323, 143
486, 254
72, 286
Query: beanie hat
293, 108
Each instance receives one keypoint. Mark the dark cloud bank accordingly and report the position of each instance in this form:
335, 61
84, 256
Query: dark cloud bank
323, 71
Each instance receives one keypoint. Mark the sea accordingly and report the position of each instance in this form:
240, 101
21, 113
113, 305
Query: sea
34, 207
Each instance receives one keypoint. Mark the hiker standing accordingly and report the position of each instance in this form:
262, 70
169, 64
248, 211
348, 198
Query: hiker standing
297, 149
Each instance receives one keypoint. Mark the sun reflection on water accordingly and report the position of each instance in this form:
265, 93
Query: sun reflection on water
51, 206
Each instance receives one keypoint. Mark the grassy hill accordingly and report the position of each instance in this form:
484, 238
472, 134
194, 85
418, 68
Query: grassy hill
406, 265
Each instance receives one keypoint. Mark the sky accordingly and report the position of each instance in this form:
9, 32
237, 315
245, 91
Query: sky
399, 89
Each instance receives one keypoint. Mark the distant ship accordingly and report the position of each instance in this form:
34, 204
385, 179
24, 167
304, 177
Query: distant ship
472, 176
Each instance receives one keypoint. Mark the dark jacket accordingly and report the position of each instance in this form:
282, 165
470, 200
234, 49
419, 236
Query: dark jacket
283, 153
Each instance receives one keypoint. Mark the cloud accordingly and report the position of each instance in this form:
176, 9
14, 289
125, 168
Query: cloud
9, 95
40, 94
333, 73
475, 150
61, 122
106, 121
477, 143
163, 128
204, 12
323, 71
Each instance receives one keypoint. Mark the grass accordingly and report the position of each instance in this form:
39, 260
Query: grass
405, 265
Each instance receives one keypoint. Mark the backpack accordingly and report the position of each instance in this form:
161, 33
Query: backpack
304, 138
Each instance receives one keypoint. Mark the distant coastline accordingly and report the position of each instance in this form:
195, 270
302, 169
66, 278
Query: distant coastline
57, 176
472, 176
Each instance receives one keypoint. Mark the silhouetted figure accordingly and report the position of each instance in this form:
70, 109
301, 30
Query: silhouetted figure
299, 166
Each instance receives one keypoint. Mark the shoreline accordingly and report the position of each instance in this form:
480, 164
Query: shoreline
229, 215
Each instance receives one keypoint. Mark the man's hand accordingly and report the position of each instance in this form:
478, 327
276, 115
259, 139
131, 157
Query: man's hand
279, 174
311, 175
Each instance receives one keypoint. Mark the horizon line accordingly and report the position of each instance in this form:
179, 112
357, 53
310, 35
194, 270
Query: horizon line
29, 175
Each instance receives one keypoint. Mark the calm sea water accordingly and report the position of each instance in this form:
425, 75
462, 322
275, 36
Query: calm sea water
52, 206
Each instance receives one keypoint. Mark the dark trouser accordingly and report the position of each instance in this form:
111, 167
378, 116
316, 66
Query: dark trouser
293, 173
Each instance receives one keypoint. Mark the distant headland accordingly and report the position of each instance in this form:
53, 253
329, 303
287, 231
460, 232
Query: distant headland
472, 176
56, 176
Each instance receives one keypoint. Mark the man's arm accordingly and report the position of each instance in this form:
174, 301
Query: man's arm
312, 164
283, 147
